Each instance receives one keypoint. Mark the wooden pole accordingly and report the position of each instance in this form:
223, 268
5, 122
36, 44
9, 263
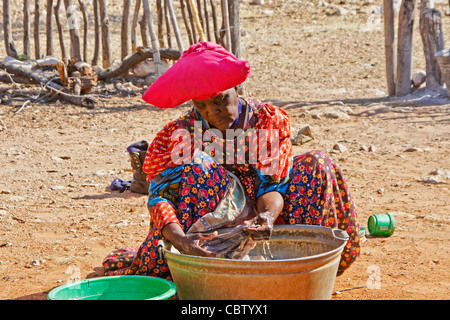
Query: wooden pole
226, 24
26, 28
60, 30
235, 30
215, 23
7, 28
404, 47
156, 56
208, 31
49, 28
160, 14
85, 29
166, 19
134, 25
106, 51
389, 42
37, 44
433, 41
200, 15
96, 33
175, 25
143, 25
124, 31
192, 20
186, 22
198, 25
75, 51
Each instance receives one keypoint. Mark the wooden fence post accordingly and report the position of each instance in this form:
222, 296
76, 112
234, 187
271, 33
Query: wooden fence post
96, 33
37, 44
26, 28
404, 46
106, 52
433, 41
124, 33
75, 51
134, 25
235, 31
85, 29
226, 24
9, 45
389, 42
156, 56
175, 25
60, 30
49, 27
196, 19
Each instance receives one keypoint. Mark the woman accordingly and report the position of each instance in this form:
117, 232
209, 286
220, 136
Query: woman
194, 160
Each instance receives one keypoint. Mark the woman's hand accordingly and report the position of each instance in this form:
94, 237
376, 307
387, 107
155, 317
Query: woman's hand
261, 226
188, 243
268, 206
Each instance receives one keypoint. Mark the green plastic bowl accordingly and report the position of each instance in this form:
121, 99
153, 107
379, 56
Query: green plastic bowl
115, 288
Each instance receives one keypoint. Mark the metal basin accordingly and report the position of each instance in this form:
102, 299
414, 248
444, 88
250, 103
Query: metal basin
304, 266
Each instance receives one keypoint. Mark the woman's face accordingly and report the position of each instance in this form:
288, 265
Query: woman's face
220, 111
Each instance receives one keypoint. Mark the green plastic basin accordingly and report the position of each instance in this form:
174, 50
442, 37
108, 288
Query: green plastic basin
115, 288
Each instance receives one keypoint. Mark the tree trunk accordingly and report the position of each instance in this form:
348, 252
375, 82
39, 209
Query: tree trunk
389, 43
106, 52
433, 41
404, 46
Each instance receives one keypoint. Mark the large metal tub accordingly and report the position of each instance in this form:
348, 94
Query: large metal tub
443, 58
305, 264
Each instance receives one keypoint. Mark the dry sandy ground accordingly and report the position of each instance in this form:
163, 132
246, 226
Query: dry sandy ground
58, 219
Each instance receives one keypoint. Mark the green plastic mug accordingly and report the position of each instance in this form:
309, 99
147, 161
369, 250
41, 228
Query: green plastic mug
381, 225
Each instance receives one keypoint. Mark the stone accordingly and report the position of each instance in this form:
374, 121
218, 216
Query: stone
418, 78
340, 147
413, 149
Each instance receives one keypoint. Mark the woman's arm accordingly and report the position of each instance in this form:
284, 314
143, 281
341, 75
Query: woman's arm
187, 243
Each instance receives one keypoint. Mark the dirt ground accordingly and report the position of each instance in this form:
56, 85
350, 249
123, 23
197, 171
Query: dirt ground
58, 218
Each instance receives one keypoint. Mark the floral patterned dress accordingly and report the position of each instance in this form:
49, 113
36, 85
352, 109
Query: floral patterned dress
188, 178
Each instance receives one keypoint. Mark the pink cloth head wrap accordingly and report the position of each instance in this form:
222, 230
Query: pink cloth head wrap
204, 71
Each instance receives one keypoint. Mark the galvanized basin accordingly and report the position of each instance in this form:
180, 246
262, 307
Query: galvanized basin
443, 58
304, 266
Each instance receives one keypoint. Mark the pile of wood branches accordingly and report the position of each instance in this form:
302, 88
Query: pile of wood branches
72, 81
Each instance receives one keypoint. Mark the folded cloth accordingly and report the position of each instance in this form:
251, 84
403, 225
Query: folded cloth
119, 184
138, 147
204, 71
